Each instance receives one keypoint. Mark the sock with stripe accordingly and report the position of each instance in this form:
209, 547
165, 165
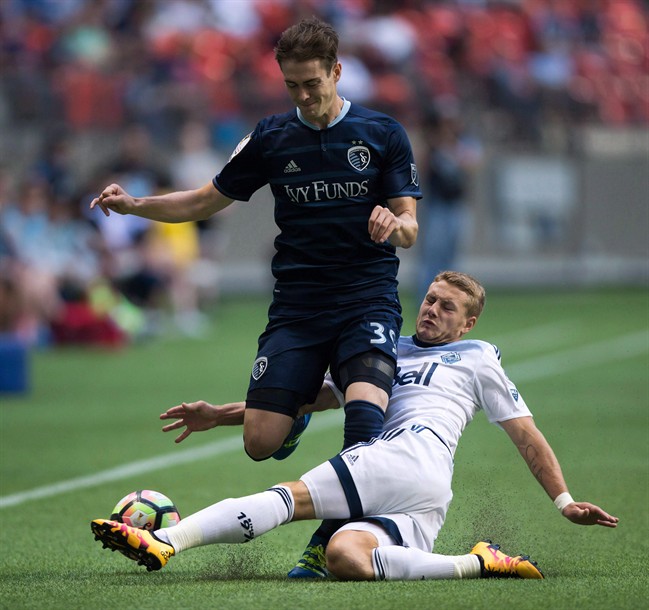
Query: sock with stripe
231, 521
402, 563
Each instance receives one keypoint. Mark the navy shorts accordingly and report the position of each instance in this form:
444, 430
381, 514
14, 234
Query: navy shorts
300, 345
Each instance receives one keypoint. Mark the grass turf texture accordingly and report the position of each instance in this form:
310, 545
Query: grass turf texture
91, 411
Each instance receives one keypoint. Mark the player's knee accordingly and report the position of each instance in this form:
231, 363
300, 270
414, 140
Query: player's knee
267, 421
260, 447
260, 442
368, 376
347, 560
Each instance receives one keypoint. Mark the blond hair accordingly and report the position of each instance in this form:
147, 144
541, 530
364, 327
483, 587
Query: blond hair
469, 285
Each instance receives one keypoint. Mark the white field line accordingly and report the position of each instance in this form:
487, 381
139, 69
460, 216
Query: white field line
626, 346
175, 458
609, 350
538, 338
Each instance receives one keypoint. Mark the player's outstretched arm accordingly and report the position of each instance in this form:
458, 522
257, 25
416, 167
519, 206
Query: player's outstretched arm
201, 415
543, 464
179, 206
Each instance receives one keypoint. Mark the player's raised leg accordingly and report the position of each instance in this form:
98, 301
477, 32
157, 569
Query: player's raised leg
234, 520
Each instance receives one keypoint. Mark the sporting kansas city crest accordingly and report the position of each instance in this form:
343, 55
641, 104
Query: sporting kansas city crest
359, 156
259, 367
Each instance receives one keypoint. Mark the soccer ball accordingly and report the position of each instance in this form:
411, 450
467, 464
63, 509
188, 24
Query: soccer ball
146, 509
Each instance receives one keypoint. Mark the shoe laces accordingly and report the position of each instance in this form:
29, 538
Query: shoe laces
313, 558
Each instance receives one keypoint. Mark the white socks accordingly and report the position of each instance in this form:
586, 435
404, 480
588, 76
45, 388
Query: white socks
238, 520
401, 563
234, 520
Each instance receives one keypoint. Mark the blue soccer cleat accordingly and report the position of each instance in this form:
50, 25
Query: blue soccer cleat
293, 439
312, 564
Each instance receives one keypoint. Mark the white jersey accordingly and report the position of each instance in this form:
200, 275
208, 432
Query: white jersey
402, 479
444, 386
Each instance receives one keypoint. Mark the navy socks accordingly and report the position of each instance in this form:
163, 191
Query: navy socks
363, 421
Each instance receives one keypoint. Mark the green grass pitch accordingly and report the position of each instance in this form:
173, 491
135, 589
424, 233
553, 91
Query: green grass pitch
88, 433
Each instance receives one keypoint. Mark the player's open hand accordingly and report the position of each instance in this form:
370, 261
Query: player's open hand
382, 224
113, 198
585, 513
195, 416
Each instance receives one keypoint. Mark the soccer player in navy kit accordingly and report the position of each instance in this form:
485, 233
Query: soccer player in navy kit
345, 187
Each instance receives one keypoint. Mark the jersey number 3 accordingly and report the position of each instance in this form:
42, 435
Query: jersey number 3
379, 331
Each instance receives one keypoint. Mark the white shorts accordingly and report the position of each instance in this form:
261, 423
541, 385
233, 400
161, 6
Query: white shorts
401, 481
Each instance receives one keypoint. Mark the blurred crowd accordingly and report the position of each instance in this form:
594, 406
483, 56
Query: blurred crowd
72, 275
156, 93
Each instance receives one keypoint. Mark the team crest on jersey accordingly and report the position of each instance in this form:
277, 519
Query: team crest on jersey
240, 146
414, 176
451, 358
259, 367
515, 394
359, 156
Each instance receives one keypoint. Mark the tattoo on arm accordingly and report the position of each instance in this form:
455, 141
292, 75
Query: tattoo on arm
530, 454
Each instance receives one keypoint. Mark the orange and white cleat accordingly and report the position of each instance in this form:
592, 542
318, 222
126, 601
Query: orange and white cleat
136, 544
495, 564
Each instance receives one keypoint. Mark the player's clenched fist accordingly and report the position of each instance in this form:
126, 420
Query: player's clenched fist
113, 198
382, 224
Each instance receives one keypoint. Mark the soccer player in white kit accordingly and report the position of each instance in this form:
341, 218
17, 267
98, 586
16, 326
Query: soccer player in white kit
393, 491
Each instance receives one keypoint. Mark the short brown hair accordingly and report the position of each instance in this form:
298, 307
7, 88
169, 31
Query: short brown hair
469, 285
308, 39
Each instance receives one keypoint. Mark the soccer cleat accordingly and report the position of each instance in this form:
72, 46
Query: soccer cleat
312, 564
495, 564
136, 544
293, 439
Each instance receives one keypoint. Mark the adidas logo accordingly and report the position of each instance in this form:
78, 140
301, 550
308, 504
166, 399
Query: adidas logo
292, 167
351, 458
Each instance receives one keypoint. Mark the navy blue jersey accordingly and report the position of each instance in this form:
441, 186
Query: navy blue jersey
326, 183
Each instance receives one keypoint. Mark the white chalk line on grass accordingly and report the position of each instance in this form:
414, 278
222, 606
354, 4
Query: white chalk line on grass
174, 458
620, 348
539, 337
607, 350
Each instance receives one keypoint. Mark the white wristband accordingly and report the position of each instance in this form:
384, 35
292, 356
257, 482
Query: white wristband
562, 500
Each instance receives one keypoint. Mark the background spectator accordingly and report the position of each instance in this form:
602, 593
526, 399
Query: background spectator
155, 93
452, 156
